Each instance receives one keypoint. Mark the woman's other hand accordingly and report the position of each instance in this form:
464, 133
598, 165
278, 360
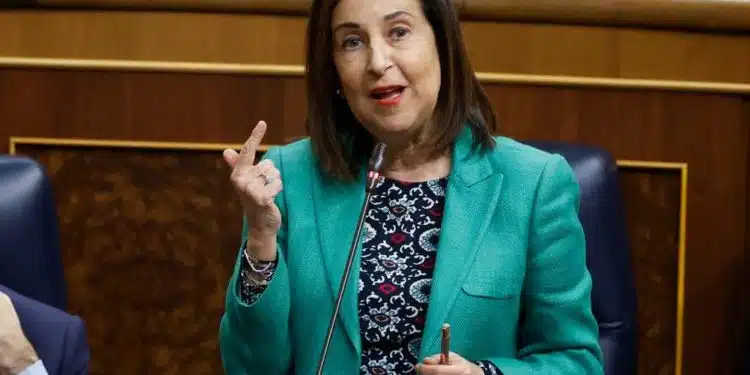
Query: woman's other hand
257, 185
457, 366
16, 353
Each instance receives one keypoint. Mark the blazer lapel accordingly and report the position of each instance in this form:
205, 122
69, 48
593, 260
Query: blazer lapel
471, 197
337, 205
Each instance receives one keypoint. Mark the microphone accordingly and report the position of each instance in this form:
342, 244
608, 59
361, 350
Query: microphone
376, 162
373, 174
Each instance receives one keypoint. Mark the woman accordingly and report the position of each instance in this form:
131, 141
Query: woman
466, 229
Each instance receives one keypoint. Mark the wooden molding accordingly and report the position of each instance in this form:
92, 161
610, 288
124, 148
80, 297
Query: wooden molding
109, 143
675, 14
728, 15
298, 70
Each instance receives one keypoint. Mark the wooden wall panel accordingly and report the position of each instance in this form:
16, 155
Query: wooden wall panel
652, 198
538, 49
149, 239
148, 106
685, 14
707, 131
158, 36
688, 14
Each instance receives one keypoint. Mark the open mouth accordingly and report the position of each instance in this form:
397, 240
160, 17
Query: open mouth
387, 95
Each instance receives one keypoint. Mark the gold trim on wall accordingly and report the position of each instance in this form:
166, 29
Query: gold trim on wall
153, 66
299, 70
188, 146
682, 168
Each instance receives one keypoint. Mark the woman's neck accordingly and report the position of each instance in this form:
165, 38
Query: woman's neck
415, 164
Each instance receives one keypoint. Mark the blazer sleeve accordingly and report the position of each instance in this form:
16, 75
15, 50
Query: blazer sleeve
255, 338
558, 332
77, 349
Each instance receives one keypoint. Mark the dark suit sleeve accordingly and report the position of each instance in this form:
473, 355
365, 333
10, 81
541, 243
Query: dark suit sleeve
77, 349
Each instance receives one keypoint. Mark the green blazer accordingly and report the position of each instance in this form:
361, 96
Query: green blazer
510, 275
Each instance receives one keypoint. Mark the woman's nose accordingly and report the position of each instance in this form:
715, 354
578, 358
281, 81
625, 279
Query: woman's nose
380, 57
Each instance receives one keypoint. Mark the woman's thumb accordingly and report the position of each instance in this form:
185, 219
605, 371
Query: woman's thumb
230, 156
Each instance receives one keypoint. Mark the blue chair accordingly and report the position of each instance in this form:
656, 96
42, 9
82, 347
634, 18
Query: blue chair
30, 259
608, 252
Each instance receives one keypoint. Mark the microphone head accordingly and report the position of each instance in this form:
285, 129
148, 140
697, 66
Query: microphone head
378, 156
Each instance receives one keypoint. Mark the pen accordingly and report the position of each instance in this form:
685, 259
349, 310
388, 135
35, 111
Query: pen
445, 344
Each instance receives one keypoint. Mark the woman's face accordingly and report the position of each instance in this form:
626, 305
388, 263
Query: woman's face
388, 64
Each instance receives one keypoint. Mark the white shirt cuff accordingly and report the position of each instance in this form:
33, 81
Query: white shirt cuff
35, 369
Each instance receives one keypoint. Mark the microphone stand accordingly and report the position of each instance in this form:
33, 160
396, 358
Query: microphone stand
372, 179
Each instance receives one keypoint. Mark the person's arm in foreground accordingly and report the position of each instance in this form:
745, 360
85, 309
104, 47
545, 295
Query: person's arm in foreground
17, 355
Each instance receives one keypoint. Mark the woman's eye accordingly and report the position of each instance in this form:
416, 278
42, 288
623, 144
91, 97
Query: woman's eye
351, 43
399, 32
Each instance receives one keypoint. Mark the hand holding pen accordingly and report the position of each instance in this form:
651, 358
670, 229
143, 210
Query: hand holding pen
445, 344
447, 362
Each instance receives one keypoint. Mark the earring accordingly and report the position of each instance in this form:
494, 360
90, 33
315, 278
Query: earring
338, 92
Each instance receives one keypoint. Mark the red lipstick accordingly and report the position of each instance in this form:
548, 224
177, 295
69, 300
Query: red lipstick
388, 95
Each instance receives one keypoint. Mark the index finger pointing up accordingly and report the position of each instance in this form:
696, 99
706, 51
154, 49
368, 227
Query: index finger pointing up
248, 152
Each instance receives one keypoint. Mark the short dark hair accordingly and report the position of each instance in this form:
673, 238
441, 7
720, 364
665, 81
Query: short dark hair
340, 143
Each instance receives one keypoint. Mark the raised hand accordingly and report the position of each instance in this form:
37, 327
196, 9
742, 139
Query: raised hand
257, 185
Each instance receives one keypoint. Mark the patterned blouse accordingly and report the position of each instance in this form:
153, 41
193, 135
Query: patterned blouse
401, 233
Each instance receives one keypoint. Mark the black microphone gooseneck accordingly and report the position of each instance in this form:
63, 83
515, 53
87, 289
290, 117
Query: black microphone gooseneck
373, 174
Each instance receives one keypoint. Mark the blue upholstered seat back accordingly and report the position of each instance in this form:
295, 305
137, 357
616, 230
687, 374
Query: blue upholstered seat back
30, 261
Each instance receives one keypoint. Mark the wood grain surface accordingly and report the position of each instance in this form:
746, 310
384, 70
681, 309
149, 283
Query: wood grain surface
516, 48
652, 198
686, 14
